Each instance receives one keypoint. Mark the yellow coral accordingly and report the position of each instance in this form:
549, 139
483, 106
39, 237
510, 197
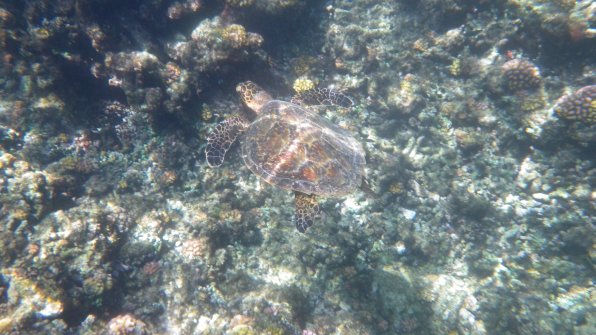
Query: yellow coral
6, 324
271, 330
396, 187
303, 85
406, 85
455, 68
51, 101
407, 89
206, 113
531, 101
62, 138
420, 45
122, 185
6, 160
243, 330
235, 35
41, 33
533, 273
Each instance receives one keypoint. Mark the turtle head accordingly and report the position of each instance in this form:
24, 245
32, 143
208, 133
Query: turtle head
253, 95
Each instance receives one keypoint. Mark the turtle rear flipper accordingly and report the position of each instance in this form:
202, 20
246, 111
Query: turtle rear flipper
322, 96
307, 209
222, 137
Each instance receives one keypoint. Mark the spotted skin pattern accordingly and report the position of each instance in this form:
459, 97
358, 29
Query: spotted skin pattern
222, 137
322, 96
307, 209
253, 95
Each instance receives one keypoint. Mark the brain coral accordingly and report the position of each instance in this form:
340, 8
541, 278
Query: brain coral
520, 74
578, 106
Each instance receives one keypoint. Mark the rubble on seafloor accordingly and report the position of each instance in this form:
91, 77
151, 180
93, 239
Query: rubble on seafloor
477, 118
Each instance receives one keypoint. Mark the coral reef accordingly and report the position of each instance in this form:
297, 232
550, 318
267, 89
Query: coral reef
212, 43
179, 9
553, 16
580, 105
277, 6
303, 85
126, 325
520, 74
582, 20
477, 118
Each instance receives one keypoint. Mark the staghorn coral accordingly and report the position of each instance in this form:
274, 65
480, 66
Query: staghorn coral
521, 74
579, 106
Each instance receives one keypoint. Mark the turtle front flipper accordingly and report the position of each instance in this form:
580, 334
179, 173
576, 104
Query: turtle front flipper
322, 96
307, 209
222, 137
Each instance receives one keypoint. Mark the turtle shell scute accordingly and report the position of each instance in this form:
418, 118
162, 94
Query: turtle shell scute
296, 149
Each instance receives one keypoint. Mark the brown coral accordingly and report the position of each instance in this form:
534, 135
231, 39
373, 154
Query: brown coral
520, 74
126, 325
237, 37
578, 106
195, 248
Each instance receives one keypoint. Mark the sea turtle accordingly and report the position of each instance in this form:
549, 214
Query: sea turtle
289, 145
